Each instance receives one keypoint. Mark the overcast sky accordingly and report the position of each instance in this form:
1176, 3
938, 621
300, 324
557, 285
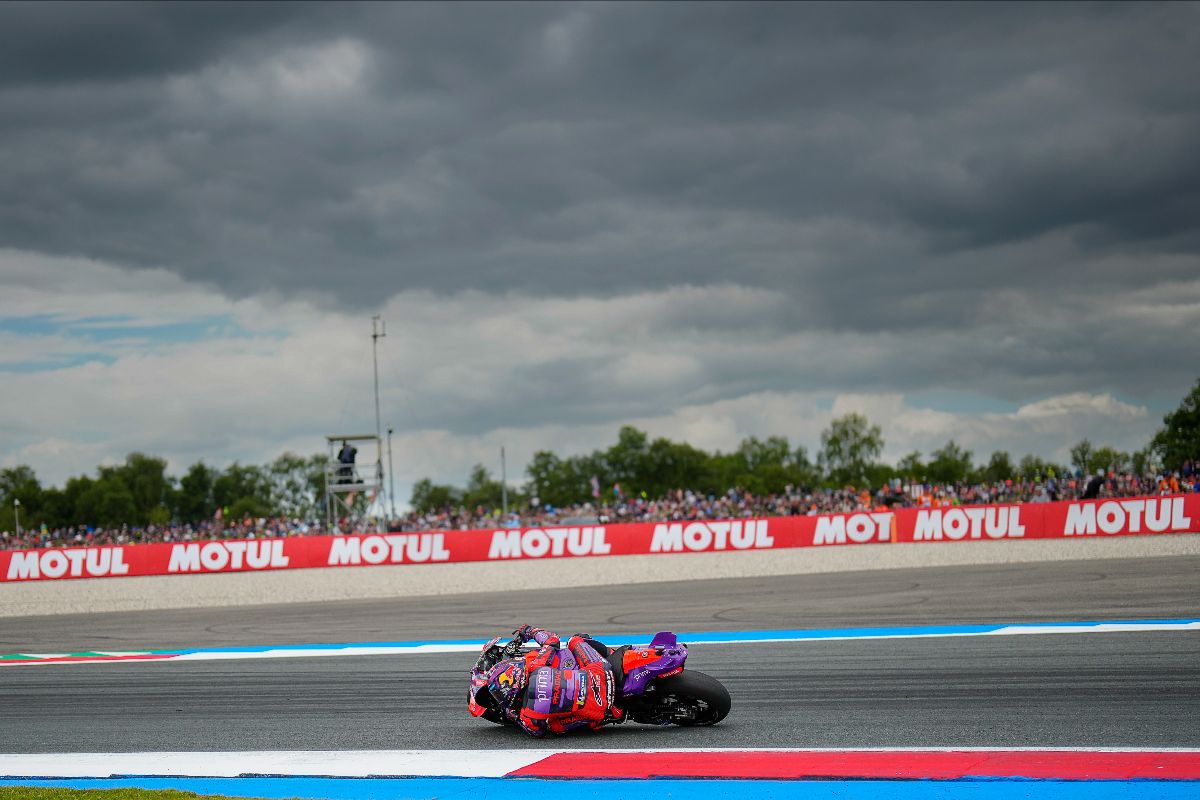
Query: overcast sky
977, 221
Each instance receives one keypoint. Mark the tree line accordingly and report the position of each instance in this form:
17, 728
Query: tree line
140, 492
636, 465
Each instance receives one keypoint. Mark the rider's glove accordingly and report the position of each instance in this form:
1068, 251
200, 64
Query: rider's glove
539, 635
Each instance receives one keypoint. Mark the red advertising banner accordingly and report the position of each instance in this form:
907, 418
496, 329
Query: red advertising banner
1083, 519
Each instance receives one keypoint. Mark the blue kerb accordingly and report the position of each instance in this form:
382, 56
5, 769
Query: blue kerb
339, 646
716, 637
913, 630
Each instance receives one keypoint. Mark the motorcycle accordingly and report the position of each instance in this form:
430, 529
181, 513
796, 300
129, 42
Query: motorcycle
653, 687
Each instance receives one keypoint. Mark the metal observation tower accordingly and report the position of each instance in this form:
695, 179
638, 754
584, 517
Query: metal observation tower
345, 476
344, 480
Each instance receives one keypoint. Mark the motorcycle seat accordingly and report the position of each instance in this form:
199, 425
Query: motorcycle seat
616, 660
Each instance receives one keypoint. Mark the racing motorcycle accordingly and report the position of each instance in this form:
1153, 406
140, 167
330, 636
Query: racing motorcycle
653, 687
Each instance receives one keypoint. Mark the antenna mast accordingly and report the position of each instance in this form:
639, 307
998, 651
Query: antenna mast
378, 331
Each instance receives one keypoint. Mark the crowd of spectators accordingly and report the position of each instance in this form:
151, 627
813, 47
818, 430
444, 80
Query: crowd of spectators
684, 504
208, 530
681, 504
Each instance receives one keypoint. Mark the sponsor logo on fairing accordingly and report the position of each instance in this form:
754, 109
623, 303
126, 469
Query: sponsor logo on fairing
224, 556
701, 536
859, 528
597, 692
541, 685
994, 522
505, 679
77, 562
392, 548
1121, 516
538, 543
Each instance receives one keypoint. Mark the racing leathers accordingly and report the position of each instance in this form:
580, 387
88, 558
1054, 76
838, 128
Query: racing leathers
555, 690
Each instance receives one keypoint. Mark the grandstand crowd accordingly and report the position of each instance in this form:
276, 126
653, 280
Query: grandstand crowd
681, 504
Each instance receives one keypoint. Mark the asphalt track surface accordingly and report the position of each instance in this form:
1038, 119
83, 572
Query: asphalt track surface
1118, 689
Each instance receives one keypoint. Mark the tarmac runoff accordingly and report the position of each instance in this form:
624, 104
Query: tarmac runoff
416, 580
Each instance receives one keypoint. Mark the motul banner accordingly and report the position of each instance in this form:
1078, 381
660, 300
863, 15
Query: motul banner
1091, 518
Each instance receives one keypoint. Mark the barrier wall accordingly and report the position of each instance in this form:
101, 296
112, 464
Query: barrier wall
1129, 516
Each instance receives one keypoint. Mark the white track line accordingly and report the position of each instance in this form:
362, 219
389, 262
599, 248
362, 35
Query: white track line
701, 640
381, 763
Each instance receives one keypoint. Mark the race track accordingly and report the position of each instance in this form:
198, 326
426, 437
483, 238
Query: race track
1114, 689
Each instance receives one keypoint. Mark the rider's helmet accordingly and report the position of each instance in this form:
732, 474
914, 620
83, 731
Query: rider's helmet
496, 683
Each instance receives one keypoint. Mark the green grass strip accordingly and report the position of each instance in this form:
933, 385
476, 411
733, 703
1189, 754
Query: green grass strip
47, 793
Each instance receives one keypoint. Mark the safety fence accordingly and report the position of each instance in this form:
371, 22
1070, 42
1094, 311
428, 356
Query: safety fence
1083, 519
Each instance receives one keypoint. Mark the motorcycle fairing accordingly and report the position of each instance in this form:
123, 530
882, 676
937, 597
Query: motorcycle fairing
479, 679
663, 656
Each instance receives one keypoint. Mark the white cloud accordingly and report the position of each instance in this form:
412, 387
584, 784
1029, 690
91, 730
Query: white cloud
460, 376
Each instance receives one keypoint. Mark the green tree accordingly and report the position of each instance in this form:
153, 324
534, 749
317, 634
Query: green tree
106, 501
428, 496
999, 468
1081, 456
672, 465
910, 467
805, 471
73, 501
298, 484
1178, 440
548, 479
774, 452
1108, 458
1144, 461
20, 483
247, 482
1034, 468
194, 498
769, 466
849, 446
628, 461
949, 464
249, 506
482, 489
56, 510
146, 479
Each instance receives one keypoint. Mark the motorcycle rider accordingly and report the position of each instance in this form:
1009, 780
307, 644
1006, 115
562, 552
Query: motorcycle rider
550, 690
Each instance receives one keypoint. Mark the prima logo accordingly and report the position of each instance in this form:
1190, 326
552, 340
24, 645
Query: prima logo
542, 684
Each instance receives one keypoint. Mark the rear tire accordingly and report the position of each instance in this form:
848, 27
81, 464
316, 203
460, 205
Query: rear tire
702, 695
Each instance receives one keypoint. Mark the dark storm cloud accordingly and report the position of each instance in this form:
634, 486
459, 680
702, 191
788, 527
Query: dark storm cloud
885, 168
92, 42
